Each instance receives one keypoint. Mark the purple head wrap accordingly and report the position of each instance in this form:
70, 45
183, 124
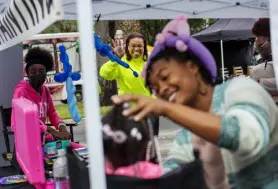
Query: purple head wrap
183, 42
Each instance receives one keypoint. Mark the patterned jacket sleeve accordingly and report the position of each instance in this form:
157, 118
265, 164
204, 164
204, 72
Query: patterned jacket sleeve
248, 118
181, 151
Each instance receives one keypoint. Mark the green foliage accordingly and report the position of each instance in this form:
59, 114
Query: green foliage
63, 112
197, 25
63, 26
149, 28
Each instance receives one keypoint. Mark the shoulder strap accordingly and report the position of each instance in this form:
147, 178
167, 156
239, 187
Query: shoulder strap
46, 93
153, 145
47, 98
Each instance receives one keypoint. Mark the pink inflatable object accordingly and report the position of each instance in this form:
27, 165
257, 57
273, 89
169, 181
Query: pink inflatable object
28, 143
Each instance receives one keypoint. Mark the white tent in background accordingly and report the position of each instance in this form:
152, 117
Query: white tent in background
168, 9
165, 9
116, 10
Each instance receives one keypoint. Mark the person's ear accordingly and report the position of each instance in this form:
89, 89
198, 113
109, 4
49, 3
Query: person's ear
193, 68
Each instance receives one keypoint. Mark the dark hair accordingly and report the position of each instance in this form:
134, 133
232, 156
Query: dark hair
170, 53
262, 28
136, 35
132, 150
37, 55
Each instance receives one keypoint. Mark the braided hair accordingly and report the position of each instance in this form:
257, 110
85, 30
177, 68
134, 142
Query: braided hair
125, 140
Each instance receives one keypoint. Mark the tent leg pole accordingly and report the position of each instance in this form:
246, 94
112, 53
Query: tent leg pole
222, 60
93, 124
273, 28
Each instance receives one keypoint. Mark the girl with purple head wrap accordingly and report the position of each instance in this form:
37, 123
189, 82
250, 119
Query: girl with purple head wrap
234, 125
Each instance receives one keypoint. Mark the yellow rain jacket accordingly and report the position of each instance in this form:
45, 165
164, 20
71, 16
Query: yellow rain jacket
127, 83
99, 89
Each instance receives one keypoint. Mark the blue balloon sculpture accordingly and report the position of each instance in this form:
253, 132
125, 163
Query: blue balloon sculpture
105, 50
68, 76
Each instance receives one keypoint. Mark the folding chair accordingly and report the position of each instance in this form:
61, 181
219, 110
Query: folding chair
249, 69
226, 73
6, 122
238, 71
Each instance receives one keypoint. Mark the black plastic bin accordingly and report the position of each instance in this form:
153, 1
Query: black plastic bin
188, 176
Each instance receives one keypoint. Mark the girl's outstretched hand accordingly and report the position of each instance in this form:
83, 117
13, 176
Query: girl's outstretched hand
144, 106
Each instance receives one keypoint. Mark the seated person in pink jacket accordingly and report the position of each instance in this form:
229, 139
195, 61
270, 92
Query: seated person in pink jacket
38, 63
125, 143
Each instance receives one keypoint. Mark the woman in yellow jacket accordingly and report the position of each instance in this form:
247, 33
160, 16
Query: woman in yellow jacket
135, 54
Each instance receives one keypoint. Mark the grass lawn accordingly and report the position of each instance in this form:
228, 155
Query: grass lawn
63, 112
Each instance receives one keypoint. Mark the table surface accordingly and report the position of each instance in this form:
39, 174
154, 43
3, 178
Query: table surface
8, 171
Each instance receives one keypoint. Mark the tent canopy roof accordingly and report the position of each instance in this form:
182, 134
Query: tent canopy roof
227, 29
168, 9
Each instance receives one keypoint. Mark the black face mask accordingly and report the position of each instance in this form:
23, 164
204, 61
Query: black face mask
37, 80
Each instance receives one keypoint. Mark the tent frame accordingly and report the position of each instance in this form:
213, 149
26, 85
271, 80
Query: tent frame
89, 70
168, 11
222, 60
91, 98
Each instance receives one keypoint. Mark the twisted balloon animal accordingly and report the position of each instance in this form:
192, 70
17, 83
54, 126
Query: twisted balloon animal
68, 76
105, 50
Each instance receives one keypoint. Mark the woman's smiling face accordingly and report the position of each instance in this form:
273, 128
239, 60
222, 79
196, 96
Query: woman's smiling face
136, 47
175, 81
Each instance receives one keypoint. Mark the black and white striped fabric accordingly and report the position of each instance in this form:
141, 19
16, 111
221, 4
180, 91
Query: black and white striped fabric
20, 19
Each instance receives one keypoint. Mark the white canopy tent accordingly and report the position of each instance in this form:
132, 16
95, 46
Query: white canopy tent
168, 9
146, 9
21, 19
137, 9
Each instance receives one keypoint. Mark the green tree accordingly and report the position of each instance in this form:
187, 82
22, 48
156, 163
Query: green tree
197, 25
63, 26
149, 28
129, 26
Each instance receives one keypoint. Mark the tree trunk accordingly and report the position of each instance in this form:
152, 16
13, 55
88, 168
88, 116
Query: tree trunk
112, 28
106, 30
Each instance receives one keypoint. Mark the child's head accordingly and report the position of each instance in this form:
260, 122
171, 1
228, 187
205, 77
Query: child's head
38, 63
261, 30
125, 140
